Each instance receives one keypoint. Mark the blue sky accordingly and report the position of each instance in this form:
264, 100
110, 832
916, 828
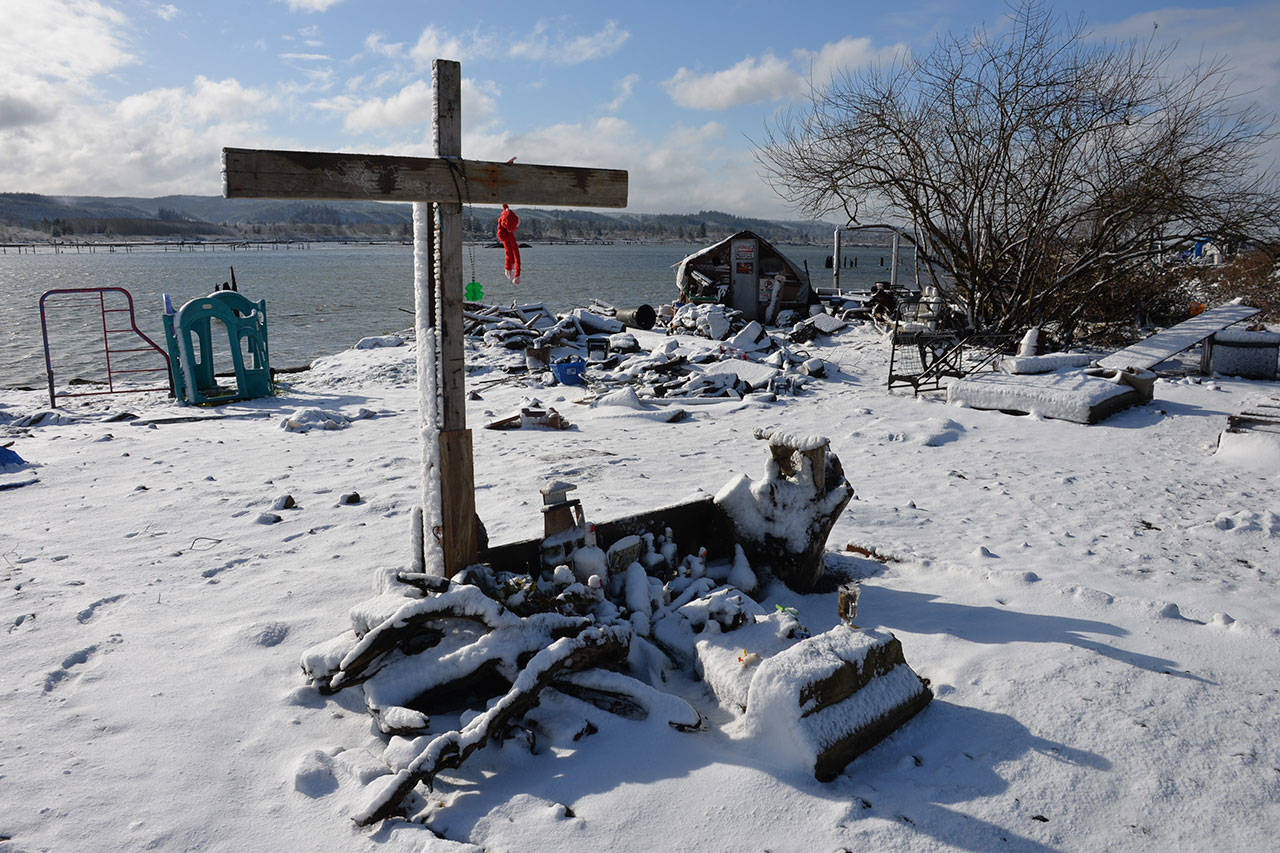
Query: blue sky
137, 97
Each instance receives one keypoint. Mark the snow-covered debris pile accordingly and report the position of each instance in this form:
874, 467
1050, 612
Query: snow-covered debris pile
706, 319
305, 420
1252, 436
47, 417
607, 625
709, 351
380, 341
817, 324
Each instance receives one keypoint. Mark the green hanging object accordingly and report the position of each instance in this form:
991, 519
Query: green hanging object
474, 292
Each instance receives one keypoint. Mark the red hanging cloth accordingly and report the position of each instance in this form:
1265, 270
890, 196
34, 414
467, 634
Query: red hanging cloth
507, 224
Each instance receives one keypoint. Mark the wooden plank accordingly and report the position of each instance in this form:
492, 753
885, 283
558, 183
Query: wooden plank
457, 479
250, 173
457, 476
449, 296
694, 524
1162, 345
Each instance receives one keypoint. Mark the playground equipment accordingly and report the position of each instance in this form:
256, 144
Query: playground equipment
189, 334
127, 356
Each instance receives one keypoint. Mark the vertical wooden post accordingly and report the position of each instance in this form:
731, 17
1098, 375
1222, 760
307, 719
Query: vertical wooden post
835, 261
457, 478
427, 554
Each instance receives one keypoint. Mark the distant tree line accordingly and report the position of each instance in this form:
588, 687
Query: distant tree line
89, 217
114, 226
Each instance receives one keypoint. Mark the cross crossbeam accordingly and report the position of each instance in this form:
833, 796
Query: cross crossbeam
250, 173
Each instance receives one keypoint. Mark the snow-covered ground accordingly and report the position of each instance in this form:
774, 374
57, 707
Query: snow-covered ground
1096, 608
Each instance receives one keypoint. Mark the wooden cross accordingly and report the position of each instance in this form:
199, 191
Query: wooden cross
438, 187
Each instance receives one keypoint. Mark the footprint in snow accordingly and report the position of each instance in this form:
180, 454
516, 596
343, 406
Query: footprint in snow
89, 612
78, 658
271, 634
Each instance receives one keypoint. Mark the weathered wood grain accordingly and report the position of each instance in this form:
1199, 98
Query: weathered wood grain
251, 173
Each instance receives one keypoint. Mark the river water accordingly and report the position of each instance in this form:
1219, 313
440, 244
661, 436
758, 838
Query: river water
320, 299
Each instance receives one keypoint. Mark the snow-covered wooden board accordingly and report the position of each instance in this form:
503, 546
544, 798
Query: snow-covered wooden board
1068, 395
1155, 349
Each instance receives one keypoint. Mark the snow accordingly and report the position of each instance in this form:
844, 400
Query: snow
377, 341
1259, 451
727, 662
305, 420
753, 373
1108, 665
1245, 337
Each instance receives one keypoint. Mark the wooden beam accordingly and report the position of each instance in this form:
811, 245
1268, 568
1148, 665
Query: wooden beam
250, 173
460, 543
457, 476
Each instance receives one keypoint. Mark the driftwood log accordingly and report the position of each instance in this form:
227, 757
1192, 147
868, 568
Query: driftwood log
591, 647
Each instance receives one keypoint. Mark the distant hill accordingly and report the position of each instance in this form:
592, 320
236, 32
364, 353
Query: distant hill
213, 217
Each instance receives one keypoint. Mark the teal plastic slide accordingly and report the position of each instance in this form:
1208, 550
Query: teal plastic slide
189, 334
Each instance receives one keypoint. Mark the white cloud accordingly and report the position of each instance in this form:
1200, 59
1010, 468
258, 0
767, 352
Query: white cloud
310, 5
64, 40
1244, 36
168, 11
479, 105
850, 53
623, 89
155, 142
411, 105
546, 43
604, 43
768, 78
750, 81
434, 43
376, 43
205, 102
306, 57
689, 168
227, 100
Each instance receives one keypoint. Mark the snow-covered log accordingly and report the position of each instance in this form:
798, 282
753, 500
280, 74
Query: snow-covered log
461, 602
589, 648
638, 700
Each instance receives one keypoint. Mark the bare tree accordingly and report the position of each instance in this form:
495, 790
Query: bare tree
1042, 168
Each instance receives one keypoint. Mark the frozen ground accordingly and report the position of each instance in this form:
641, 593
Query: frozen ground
1096, 608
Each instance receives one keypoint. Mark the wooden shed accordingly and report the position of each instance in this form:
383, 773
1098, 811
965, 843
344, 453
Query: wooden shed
746, 272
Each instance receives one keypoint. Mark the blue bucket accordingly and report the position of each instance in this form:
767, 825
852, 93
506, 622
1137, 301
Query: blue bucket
569, 371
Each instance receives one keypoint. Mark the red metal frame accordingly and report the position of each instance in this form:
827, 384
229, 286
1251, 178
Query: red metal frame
106, 344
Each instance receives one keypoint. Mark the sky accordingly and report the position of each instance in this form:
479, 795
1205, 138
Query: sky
138, 97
